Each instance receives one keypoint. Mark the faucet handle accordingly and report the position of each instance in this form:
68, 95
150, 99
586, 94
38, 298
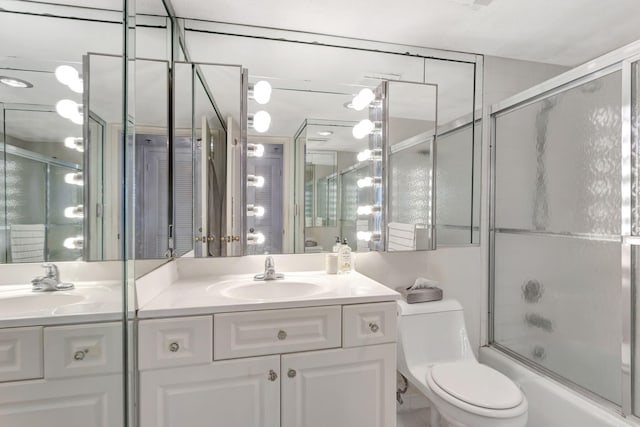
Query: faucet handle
51, 270
269, 262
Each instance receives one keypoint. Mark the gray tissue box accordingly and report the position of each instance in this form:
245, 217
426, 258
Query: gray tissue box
421, 294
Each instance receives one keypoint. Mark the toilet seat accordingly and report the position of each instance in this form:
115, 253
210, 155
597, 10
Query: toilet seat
474, 384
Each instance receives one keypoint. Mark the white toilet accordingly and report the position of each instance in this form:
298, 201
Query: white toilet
434, 354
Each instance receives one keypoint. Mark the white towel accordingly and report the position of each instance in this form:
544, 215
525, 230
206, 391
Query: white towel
402, 237
27, 242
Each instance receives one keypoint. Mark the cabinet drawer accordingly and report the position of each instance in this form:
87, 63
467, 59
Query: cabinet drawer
20, 353
175, 342
93, 349
367, 324
275, 331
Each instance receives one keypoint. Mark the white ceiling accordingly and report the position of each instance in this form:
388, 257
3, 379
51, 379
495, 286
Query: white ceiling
564, 32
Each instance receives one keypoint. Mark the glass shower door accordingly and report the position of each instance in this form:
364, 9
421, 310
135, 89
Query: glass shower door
556, 234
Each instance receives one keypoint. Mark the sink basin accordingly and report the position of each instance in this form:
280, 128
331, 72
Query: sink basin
266, 290
12, 305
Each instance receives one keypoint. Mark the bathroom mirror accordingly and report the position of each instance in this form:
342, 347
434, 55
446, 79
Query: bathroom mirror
61, 177
308, 73
411, 123
206, 165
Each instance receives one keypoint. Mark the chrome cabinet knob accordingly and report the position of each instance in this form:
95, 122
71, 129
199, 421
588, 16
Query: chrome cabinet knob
174, 347
282, 335
374, 327
272, 375
79, 355
292, 373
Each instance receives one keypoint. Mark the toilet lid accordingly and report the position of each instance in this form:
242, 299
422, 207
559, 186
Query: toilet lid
477, 385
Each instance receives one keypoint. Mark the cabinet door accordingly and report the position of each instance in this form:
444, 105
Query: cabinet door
340, 388
243, 393
76, 402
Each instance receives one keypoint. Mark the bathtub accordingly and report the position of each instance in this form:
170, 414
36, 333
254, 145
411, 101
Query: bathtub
550, 403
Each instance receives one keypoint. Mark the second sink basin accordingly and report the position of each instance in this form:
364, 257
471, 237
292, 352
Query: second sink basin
265, 290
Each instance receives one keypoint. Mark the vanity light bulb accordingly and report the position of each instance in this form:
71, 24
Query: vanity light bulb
368, 181
255, 180
255, 211
261, 121
368, 209
73, 242
362, 129
363, 99
255, 238
74, 178
262, 92
255, 150
66, 74
77, 86
68, 109
365, 155
74, 212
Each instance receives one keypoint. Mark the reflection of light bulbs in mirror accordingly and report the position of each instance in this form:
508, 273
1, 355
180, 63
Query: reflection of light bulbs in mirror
368, 181
77, 86
262, 92
67, 108
255, 150
363, 99
73, 242
66, 74
255, 181
368, 209
368, 236
255, 211
261, 121
74, 178
363, 128
74, 143
74, 212
365, 155
255, 238
77, 119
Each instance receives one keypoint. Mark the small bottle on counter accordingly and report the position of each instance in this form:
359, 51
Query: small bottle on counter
345, 258
336, 245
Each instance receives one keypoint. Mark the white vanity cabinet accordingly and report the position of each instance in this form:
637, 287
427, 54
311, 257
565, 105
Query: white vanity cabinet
78, 384
275, 368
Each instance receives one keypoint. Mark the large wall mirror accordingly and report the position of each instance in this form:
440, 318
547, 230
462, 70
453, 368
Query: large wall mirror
307, 177
61, 119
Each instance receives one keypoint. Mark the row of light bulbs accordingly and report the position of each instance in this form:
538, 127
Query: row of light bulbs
362, 100
261, 93
69, 76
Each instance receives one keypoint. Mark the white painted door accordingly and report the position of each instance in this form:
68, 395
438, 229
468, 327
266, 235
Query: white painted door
92, 401
340, 388
242, 393
234, 214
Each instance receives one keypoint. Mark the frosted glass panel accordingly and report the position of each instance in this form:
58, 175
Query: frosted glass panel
410, 185
559, 162
557, 303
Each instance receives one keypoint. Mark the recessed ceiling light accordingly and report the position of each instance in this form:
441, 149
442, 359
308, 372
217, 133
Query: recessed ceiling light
13, 82
325, 133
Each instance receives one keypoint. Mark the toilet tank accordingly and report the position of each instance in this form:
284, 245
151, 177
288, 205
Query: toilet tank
431, 332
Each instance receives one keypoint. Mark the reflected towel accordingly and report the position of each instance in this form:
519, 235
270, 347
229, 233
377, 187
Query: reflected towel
27, 242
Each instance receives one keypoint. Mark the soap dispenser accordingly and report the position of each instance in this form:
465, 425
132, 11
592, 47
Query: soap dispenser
336, 245
345, 258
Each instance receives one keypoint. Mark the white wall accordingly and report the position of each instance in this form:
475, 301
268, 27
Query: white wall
463, 272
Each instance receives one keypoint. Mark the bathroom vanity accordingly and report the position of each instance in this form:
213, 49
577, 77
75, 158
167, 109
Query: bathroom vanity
311, 350
79, 382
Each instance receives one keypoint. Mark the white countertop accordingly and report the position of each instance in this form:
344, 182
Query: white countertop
206, 295
90, 301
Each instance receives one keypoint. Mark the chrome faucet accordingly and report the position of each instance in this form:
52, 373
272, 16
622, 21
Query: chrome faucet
50, 281
269, 271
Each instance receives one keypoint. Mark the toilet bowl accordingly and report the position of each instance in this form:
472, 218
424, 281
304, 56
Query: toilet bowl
435, 355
